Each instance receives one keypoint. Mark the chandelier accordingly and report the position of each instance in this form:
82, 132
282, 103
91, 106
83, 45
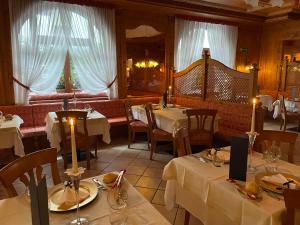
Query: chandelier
262, 3
146, 63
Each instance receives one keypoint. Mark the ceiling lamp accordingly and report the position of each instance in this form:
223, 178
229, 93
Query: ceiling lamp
262, 3
146, 64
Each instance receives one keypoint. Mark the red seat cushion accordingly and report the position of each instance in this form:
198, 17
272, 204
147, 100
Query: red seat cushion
117, 121
162, 135
33, 131
138, 123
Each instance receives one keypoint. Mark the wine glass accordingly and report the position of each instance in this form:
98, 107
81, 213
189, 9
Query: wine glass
117, 200
272, 155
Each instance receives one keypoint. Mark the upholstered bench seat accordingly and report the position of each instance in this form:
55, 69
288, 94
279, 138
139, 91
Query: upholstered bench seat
33, 131
116, 121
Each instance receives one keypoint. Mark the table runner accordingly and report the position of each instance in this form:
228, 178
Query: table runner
97, 124
213, 200
10, 135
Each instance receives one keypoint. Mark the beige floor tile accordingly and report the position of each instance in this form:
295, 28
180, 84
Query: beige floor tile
148, 193
159, 197
169, 215
141, 162
135, 170
132, 178
148, 182
144, 155
157, 164
129, 153
163, 157
153, 172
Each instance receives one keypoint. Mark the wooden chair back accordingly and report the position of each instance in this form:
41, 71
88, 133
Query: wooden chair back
268, 137
150, 117
128, 111
202, 116
80, 118
292, 203
29, 165
182, 141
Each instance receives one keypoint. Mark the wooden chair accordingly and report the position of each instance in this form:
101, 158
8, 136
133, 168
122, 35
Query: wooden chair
201, 126
266, 138
134, 126
292, 203
182, 142
83, 141
287, 117
156, 134
28, 165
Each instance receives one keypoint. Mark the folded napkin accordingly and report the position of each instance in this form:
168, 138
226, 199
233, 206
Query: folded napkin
277, 179
68, 198
224, 155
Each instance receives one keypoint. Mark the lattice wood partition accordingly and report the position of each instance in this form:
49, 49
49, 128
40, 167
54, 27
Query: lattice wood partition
213, 81
291, 76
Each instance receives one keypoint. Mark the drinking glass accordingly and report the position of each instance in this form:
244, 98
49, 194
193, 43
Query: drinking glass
117, 200
271, 156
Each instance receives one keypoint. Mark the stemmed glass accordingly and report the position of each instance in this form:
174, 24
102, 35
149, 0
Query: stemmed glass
117, 199
272, 155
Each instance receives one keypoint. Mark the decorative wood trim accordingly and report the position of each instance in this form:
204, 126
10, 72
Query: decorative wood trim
205, 19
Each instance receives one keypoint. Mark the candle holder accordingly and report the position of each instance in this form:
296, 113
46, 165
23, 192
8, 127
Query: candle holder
75, 177
252, 136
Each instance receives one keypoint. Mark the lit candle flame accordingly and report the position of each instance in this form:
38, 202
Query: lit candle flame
71, 122
254, 100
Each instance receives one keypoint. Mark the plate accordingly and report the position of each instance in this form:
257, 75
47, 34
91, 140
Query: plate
273, 187
57, 191
208, 156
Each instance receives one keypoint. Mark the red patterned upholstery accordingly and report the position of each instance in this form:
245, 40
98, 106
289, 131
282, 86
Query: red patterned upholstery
138, 123
117, 121
24, 111
41, 110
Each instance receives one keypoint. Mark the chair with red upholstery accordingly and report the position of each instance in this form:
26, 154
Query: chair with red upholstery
156, 134
201, 126
134, 126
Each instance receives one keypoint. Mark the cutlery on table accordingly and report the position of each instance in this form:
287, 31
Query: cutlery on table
199, 158
99, 184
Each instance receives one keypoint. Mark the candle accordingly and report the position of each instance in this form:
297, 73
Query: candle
73, 145
253, 117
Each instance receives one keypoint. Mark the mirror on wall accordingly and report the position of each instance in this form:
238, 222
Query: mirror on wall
145, 68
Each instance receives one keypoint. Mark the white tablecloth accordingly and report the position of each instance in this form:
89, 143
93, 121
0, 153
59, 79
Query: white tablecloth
292, 106
16, 211
170, 119
202, 189
266, 101
97, 124
10, 135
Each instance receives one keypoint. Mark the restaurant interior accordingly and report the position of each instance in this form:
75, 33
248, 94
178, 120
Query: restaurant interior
139, 112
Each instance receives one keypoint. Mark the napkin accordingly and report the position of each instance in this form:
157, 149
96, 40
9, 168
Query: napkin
224, 155
68, 198
277, 179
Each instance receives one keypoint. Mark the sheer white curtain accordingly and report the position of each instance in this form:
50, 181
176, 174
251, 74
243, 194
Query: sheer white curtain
222, 41
38, 47
90, 34
189, 41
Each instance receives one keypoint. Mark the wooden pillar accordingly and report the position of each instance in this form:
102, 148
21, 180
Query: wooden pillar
6, 67
205, 56
121, 55
169, 51
67, 75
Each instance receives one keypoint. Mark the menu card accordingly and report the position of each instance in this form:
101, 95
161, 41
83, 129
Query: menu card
238, 158
39, 201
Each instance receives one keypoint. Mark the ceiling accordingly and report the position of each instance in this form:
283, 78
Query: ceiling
264, 7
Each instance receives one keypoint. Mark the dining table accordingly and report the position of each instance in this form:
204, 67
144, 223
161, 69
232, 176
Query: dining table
205, 191
139, 211
171, 118
266, 101
11, 136
97, 124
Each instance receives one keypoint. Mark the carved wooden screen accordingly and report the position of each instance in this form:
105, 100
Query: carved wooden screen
213, 81
292, 76
190, 81
225, 84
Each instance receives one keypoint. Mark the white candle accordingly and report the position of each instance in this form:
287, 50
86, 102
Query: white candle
73, 145
253, 117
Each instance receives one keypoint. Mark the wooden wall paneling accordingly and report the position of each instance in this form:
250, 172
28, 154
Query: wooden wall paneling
121, 54
6, 81
273, 36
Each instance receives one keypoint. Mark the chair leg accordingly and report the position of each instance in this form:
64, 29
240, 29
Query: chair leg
133, 136
153, 148
148, 140
284, 125
281, 124
187, 217
174, 148
129, 137
88, 158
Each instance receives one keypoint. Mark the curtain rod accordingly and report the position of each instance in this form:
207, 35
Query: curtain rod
205, 19
94, 3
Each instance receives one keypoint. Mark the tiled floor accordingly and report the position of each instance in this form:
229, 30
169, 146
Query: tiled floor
143, 173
